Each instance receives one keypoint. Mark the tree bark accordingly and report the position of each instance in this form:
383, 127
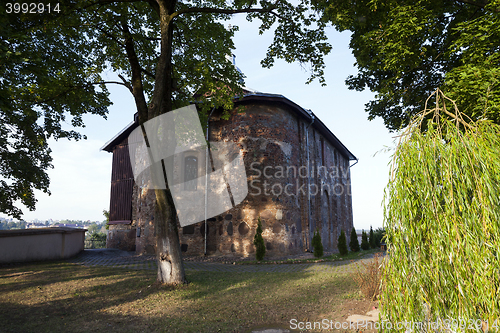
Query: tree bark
168, 249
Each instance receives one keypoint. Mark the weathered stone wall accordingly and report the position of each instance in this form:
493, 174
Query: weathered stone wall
266, 135
121, 236
143, 216
331, 208
273, 141
292, 196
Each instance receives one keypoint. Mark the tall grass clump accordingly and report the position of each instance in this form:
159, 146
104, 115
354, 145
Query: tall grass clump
442, 219
368, 277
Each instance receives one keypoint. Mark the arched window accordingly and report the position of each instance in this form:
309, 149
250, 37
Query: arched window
190, 173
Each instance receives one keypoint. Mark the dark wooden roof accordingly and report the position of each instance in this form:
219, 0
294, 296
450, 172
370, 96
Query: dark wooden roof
120, 136
256, 97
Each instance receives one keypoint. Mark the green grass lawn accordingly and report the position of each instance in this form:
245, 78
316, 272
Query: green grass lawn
331, 257
58, 296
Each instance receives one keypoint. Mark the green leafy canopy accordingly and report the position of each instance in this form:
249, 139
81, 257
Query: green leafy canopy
162, 51
47, 77
404, 50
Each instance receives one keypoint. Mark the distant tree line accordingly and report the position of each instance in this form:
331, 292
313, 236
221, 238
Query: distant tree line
92, 227
12, 225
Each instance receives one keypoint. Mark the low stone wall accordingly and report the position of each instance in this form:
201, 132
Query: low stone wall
40, 244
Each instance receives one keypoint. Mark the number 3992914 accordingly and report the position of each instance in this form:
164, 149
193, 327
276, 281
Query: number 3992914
31, 8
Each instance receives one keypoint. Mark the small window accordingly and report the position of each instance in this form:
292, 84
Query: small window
188, 230
190, 173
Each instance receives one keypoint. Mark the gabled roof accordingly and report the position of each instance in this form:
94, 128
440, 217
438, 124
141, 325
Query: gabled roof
251, 96
306, 114
120, 136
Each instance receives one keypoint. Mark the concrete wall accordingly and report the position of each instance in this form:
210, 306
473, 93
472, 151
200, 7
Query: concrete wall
40, 244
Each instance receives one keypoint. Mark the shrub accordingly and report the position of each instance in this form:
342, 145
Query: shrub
317, 245
379, 235
369, 278
96, 240
342, 243
98, 236
106, 215
354, 244
373, 243
364, 241
258, 241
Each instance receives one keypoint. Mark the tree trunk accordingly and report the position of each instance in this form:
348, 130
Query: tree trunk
168, 249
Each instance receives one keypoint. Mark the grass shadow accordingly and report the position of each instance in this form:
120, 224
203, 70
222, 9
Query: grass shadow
59, 296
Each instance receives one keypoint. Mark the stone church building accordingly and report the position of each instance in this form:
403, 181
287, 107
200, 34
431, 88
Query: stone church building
298, 176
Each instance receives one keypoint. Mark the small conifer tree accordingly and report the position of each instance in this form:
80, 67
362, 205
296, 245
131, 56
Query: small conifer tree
342, 243
354, 244
258, 241
364, 241
373, 242
317, 245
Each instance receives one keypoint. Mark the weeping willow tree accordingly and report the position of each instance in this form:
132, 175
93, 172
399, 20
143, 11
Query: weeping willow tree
442, 217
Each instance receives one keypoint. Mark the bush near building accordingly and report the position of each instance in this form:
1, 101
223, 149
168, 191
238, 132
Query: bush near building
354, 244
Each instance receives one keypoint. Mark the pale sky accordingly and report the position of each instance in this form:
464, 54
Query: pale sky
81, 178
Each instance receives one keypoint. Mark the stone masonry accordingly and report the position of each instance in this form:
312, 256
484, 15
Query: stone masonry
298, 181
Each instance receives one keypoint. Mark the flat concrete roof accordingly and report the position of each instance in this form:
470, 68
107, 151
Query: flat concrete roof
39, 231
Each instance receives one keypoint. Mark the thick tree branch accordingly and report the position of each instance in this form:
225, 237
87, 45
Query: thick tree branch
280, 16
137, 88
161, 101
126, 83
112, 82
148, 73
481, 4
100, 2
110, 36
73, 88
62, 93
221, 11
154, 4
155, 39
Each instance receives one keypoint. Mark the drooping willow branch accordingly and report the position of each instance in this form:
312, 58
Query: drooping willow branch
442, 218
